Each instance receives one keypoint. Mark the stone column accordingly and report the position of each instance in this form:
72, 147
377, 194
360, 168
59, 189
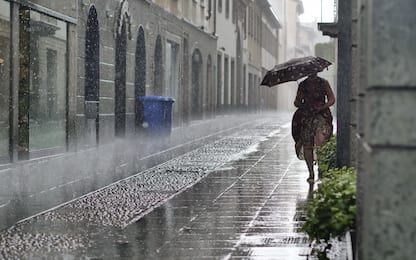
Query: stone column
355, 82
344, 83
360, 23
389, 156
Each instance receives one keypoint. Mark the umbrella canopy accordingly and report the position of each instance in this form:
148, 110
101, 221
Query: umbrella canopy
294, 69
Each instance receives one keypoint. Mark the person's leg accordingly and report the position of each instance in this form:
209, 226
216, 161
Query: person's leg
308, 153
319, 139
323, 132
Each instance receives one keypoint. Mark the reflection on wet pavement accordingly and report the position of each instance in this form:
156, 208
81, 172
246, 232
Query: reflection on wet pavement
216, 202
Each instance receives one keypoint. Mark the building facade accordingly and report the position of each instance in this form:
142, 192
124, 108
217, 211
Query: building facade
169, 49
90, 61
84, 64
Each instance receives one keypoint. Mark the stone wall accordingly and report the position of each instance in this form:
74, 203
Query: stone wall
386, 145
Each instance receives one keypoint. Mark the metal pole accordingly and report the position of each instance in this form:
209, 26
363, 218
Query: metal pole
321, 11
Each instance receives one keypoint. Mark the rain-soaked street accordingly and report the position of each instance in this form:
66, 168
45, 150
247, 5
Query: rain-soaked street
238, 197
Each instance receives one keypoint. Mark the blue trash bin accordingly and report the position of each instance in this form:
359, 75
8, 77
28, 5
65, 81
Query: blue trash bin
157, 115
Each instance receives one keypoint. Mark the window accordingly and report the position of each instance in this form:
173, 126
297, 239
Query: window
195, 13
209, 9
227, 9
43, 73
250, 90
244, 94
245, 24
185, 72
219, 79
172, 69
250, 21
140, 78
186, 10
92, 77
120, 82
233, 92
4, 79
219, 6
172, 73
235, 10
208, 84
158, 68
196, 92
92, 57
226, 80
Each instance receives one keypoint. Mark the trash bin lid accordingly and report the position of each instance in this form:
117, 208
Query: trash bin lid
157, 98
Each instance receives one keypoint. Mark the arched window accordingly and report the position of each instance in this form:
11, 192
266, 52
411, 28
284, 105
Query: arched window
240, 91
140, 77
158, 71
92, 71
184, 105
208, 87
196, 84
219, 80
120, 82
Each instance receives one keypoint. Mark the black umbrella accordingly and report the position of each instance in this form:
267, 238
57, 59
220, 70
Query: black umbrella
294, 69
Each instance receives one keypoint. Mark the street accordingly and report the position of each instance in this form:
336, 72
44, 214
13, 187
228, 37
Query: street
238, 197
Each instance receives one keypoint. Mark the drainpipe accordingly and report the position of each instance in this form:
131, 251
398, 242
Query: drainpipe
215, 18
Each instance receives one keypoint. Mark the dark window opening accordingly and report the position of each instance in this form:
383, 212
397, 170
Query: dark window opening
232, 75
120, 83
92, 75
140, 78
219, 80
92, 57
185, 82
227, 9
196, 98
208, 87
226, 80
158, 71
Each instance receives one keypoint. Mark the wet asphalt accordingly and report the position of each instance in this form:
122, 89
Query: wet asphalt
239, 197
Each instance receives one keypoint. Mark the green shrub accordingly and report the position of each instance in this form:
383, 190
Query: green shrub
331, 212
327, 156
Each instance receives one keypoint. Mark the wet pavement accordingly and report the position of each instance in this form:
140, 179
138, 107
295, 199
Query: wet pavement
239, 197
33, 186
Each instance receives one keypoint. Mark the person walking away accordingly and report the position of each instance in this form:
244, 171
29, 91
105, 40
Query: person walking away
312, 121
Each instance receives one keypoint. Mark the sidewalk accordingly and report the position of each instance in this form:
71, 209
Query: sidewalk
246, 210
244, 205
